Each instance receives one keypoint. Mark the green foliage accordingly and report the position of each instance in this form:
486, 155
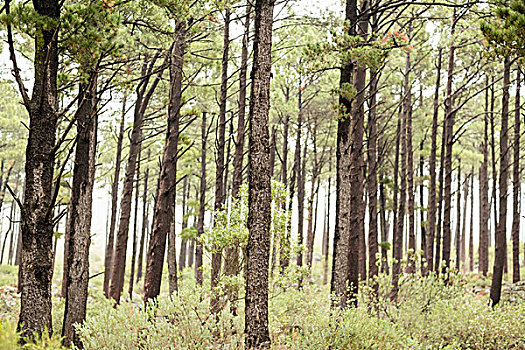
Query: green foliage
506, 35
9, 339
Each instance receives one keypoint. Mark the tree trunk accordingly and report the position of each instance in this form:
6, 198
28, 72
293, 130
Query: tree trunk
372, 180
516, 186
432, 164
144, 222
183, 242
301, 179
471, 227
231, 265
9, 229
80, 220
449, 122
165, 205
202, 203
494, 170
326, 231
384, 226
400, 215
457, 241
357, 171
484, 196
119, 259
501, 231
135, 229
259, 201
216, 255
411, 267
37, 221
108, 259
462, 240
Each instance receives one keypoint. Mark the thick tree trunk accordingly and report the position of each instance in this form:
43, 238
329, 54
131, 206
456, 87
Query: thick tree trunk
135, 229
165, 205
119, 259
432, 165
144, 223
202, 203
501, 231
80, 221
259, 202
108, 259
484, 196
37, 210
372, 180
516, 186
220, 195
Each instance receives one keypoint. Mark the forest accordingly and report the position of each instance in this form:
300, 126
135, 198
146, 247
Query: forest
262, 174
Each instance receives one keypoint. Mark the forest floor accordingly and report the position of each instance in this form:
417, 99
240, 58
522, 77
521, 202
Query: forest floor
427, 315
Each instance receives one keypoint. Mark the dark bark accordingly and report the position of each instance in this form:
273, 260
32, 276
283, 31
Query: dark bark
135, 229
144, 223
471, 226
397, 249
342, 242
411, 267
37, 221
172, 260
371, 182
184, 243
501, 230
462, 238
80, 221
484, 196
457, 241
259, 201
326, 231
424, 268
494, 204
449, 140
301, 179
119, 259
516, 186
108, 259
357, 170
165, 205
202, 203
9, 229
384, 225
220, 195
432, 165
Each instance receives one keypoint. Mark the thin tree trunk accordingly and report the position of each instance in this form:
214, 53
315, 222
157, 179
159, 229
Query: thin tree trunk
462, 240
301, 179
135, 229
231, 265
259, 202
119, 259
9, 229
216, 255
202, 203
165, 205
471, 227
457, 237
449, 121
372, 180
411, 268
326, 231
183, 242
37, 222
484, 196
501, 231
516, 186
144, 222
494, 170
424, 268
81, 210
108, 259
384, 226
432, 164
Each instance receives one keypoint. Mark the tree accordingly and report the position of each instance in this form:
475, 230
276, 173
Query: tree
259, 215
